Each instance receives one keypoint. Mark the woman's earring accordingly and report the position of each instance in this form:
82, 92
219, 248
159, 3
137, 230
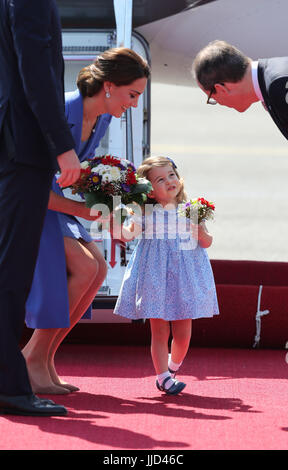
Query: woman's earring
107, 94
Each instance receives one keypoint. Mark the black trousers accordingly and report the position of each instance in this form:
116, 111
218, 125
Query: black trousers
24, 194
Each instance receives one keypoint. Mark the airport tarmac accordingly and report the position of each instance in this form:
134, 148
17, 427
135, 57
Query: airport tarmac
237, 160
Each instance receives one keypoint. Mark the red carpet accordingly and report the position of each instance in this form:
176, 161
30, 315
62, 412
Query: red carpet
234, 399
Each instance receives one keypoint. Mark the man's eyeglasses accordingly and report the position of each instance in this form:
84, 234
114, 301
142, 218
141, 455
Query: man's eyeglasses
211, 100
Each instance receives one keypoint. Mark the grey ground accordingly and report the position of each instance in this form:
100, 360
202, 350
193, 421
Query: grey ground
239, 161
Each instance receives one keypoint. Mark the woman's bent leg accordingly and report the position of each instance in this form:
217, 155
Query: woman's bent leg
81, 291
86, 271
36, 356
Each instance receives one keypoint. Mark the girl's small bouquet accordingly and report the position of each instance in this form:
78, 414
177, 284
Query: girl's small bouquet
197, 210
112, 182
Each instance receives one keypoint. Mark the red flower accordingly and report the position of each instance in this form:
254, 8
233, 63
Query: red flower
131, 177
85, 171
206, 203
109, 160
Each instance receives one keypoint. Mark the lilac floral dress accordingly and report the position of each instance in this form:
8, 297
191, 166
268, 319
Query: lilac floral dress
169, 275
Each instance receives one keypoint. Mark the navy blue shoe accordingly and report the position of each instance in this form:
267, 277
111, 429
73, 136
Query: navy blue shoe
176, 388
172, 372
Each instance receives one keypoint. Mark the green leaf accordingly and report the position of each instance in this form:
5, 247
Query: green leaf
142, 188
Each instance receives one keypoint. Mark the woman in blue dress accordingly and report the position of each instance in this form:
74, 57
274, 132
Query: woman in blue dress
169, 277
70, 268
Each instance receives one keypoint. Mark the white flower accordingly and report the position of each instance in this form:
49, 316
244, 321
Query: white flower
100, 169
125, 162
115, 173
84, 165
106, 178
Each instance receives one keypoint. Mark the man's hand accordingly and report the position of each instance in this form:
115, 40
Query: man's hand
69, 167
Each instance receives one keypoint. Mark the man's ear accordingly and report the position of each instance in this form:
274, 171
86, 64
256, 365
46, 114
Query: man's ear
220, 88
151, 194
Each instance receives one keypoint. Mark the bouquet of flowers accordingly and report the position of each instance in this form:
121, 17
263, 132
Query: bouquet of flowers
197, 210
102, 178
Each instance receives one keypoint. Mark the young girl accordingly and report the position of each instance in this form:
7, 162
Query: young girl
169, 277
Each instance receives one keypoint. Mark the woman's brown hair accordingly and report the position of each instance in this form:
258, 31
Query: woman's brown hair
118, 65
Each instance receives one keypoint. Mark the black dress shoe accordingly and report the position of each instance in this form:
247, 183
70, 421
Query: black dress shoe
45, 400
29, 405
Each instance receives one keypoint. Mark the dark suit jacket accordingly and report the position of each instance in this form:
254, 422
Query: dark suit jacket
32, 114
273, 82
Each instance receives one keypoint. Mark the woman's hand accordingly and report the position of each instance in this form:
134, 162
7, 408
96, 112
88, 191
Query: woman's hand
69, 206
86, 213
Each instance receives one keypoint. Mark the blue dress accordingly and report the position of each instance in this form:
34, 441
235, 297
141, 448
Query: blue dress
47, 305
169, 275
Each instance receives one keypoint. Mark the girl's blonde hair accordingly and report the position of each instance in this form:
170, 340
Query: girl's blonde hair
151, 162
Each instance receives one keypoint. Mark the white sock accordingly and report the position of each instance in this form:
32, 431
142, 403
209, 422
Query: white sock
172, 365
162, 377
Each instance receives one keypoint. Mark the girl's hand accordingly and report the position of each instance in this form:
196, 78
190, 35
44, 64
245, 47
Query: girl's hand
194, 230
122, 232
200, 233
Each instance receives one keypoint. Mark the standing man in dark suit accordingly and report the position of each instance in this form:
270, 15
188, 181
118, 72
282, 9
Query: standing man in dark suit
35, 141
230, 78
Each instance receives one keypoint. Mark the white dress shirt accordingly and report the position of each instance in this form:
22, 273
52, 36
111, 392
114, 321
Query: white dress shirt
254, 68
